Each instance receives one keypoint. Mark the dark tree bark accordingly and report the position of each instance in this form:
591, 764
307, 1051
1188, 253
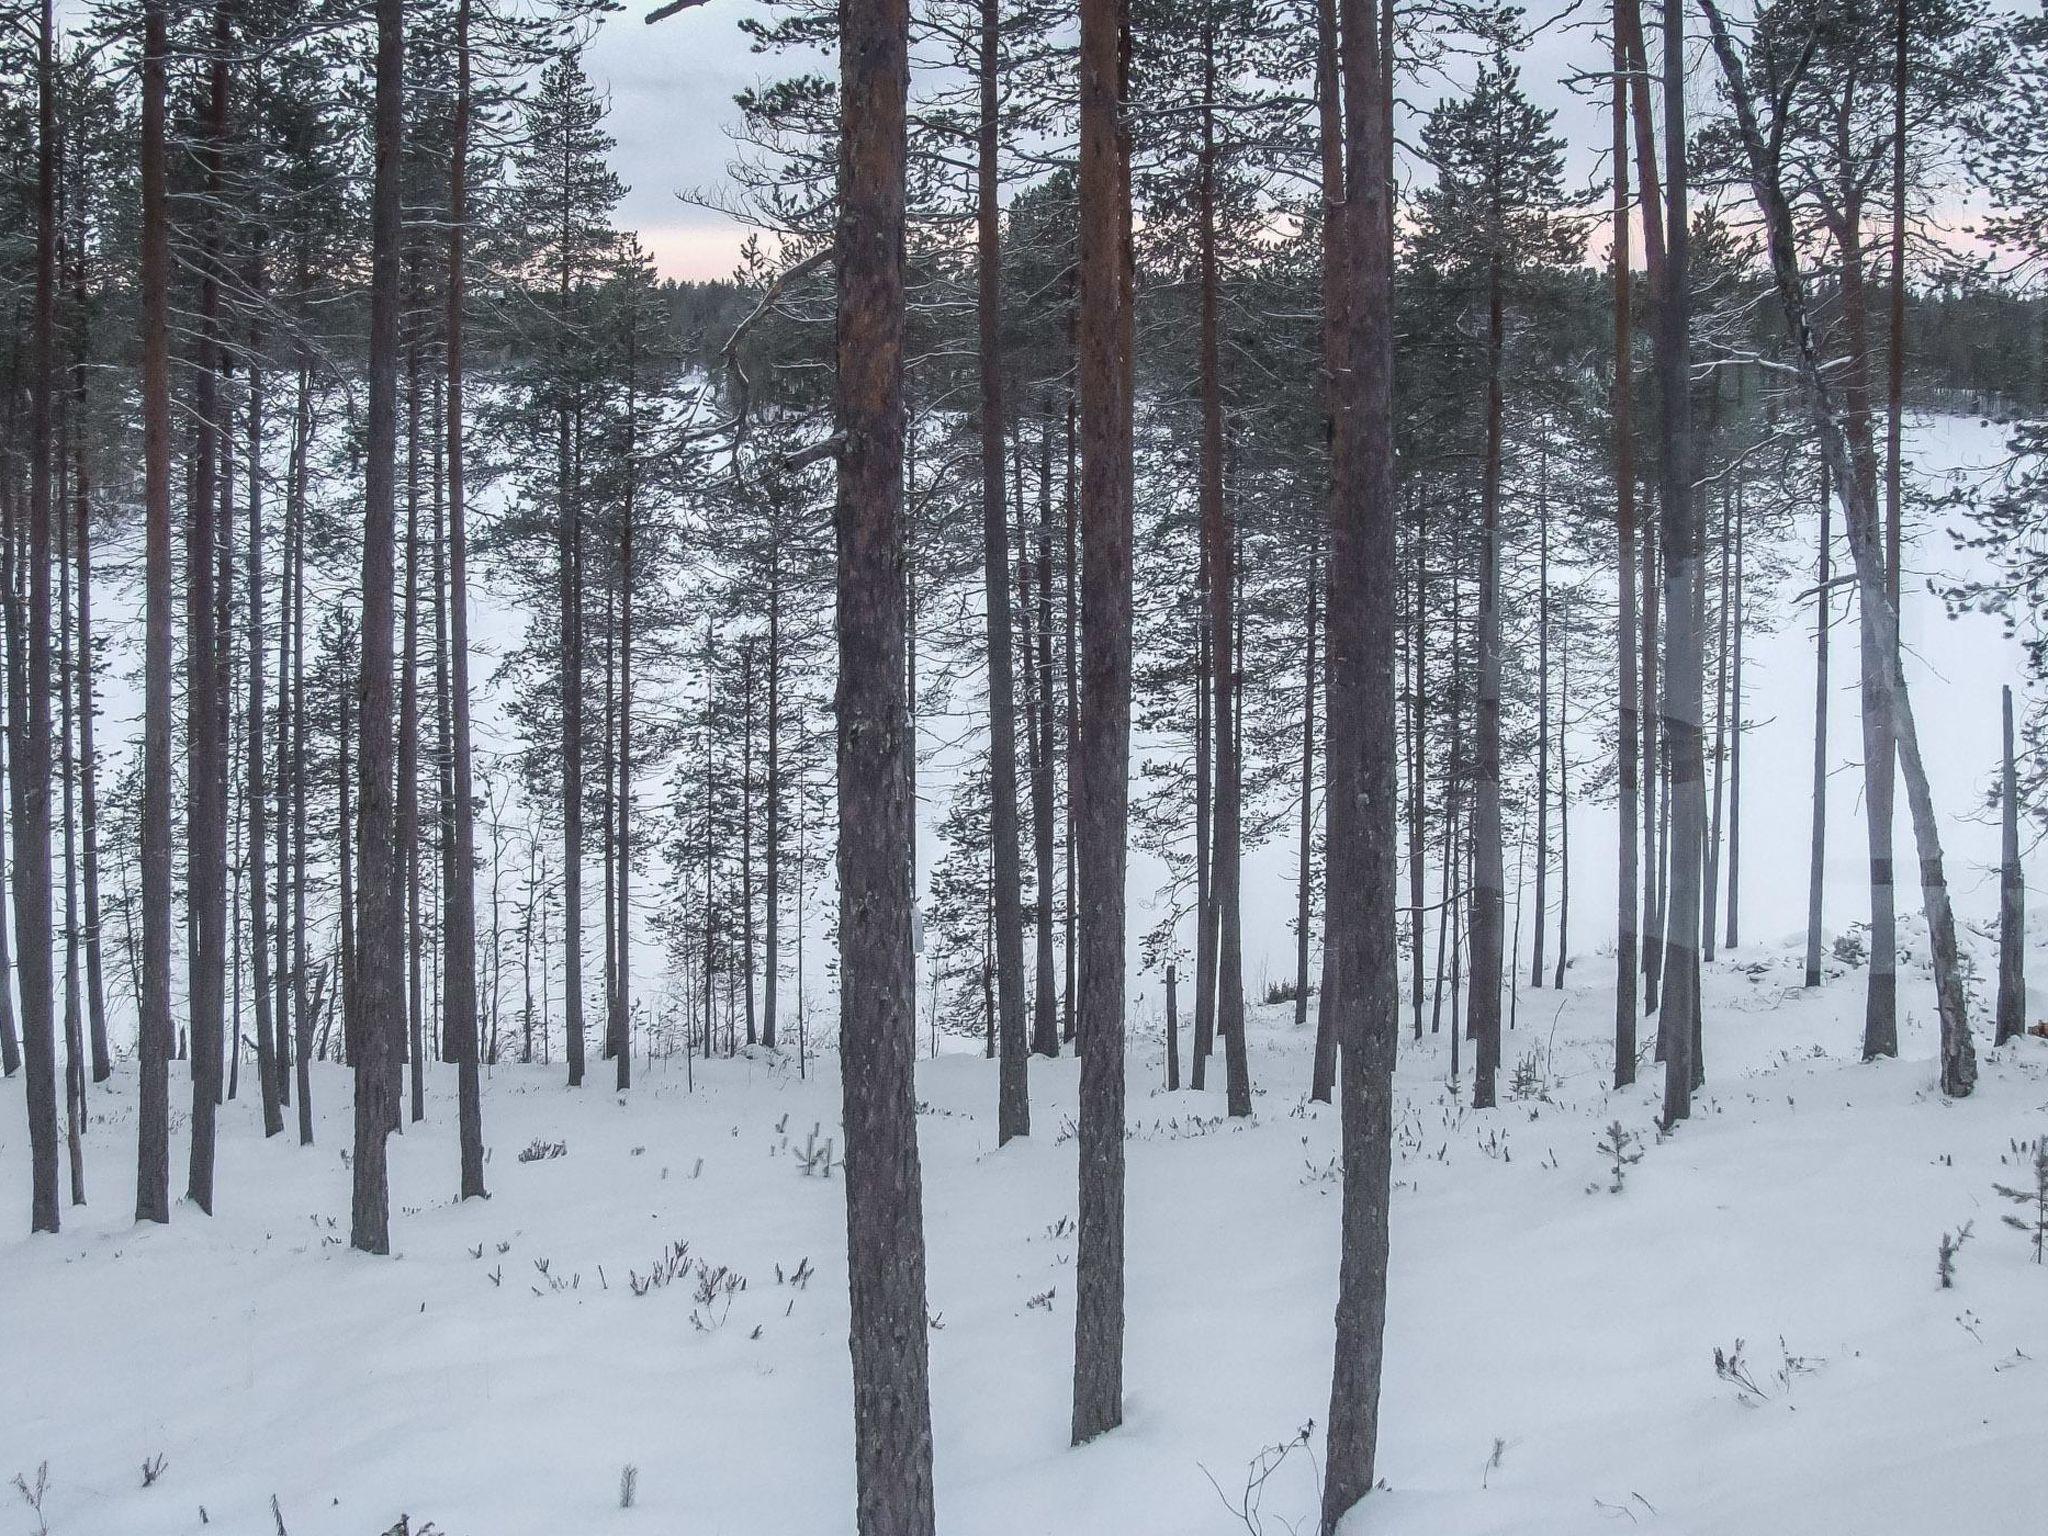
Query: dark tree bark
1071, 592
407, 789
1013, 1103
1542, 733
1172, 1029
1361, 767
252, 742
87, 766
31, 799
1735, 744
1628, 751
1710, 916
1817, 856
380, 937
459, 976
1105, 365
1304, 879
1045, 1024
1682, 692
1335, 344
1489, 881
2012, 897
619, 1029
205, 754
771, 960
1219, 532
884, 1198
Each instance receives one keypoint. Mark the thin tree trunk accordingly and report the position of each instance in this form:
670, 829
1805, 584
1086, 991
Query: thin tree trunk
1219, 531
1013, 1103
31, 800
1335, 357
205, 756
1103, 354
1045, 1026
252, 743
1735, 743
1682, 684
1817, 857
1709, 920
1489, 881
1172, 1030
1542, 722
408, 786
2012, 897
1628, 751
1304, 879
1071, 595
1564, 806
87, 765
459, 1007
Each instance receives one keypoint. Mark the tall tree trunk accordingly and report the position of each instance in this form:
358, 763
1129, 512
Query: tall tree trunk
381, 1007
1205, 826
1105, 365
2012, 896
889, 1329
1013, 1103
1489, 880
407, 812
621, 1000
771, 960
1709, 919
1542, 725
1735, 743
459, 1006
205, 757
1680, 704
1418, 754
1304, 878
74, 1004
1330, 145
1817, 857
31, 801
87, 766
303, 1006
1361, 776
1628, 751
1219, 532
1071, 597
1045, 1025
1564, 806
252, 743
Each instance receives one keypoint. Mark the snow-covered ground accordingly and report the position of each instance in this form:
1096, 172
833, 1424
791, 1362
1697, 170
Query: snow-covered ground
1551, 1343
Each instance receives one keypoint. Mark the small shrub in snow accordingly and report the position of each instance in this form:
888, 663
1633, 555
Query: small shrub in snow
1850, 948
1733, 1369
1259, 1471
629, 1485
1945, 1259
2033, 1203
539, 1150
1621, 1147
153, 1469
32, 1495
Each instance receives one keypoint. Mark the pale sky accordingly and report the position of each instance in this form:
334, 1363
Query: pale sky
672, 86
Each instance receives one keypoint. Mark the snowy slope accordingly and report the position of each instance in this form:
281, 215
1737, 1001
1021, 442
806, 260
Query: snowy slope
1799, 1212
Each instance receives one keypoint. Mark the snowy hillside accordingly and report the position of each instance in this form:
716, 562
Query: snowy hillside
1551, 1343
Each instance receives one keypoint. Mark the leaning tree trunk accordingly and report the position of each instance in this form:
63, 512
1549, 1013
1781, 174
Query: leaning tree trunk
1103, 355
380, 937
1859, 511
889, 1328
1361, 772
